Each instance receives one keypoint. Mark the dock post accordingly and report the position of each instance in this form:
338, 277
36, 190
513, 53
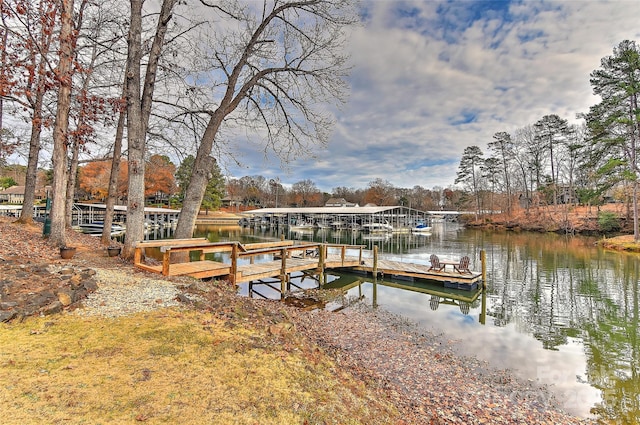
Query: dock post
483, 312
283, 271
321, 263
483, 260
375, 292
166, 261
234, 263
375, 260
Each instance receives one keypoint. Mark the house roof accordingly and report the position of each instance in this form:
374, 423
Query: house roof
13, 190
322, 210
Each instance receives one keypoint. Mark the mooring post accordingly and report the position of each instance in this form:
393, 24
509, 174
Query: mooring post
375, 260
483, 261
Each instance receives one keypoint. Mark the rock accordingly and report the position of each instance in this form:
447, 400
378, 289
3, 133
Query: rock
64, 298
53, 308
6, 316
90, 285
183, 299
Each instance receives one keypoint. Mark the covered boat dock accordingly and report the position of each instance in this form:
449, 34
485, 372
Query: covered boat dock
399, 218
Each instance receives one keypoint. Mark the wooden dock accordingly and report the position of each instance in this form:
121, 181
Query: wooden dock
254, 262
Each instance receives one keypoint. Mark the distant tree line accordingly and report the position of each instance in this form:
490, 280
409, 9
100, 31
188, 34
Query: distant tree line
258, 191
551, 162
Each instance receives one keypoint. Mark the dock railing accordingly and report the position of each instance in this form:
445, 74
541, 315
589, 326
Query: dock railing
279, 250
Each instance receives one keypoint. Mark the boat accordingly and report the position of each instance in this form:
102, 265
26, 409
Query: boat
421, 228
377, 227
95, 228
302, 225
338, 225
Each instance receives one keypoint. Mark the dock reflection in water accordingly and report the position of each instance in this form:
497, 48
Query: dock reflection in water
438, 294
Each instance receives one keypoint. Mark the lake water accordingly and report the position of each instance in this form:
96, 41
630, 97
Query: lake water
559, 311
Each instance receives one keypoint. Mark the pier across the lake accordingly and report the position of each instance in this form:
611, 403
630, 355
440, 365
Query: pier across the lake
241, 263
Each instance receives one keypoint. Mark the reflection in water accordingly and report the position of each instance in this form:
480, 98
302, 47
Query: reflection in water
558, 310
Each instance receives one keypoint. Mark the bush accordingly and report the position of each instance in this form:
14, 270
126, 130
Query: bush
608, 221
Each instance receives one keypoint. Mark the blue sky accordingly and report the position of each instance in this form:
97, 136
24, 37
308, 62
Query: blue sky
430, 78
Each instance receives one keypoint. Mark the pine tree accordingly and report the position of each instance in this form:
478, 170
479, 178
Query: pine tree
469, 172
614, 123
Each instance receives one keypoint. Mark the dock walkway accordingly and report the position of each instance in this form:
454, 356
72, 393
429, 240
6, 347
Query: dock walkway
243, 263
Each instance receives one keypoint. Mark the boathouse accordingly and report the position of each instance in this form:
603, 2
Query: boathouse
400, 218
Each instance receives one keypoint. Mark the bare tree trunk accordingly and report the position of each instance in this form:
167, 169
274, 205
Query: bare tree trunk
636, 233
61, 126
71, 182
138, 112
200, 176
26, 216
113, 181
135, 134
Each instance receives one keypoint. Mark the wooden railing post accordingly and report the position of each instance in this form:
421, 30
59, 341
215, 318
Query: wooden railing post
234, 263
343, 253
375, 260
137, 255
283, 270
322, 258
166, 260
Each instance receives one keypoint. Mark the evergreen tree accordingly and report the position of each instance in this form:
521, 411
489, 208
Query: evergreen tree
469, 172
614, 123
503, 150
552, 131
215, 187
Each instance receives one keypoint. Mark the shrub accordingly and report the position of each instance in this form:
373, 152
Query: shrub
608, 221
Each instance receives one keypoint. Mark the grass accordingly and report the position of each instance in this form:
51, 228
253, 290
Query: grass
172, 366
621, 243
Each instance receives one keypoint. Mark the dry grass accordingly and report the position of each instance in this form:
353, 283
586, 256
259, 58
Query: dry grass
621, 243
172, 366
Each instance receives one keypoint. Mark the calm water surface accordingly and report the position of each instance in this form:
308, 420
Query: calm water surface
559, 311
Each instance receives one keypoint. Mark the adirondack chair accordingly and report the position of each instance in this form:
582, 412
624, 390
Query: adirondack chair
463, 267
435, 263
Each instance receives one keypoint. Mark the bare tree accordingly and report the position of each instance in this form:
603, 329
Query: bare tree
139, 102
281, 65
65, 77
30, 39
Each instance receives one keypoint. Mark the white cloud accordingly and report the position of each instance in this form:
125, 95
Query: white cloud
424, 89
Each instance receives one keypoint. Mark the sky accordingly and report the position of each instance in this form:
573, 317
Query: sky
431, 78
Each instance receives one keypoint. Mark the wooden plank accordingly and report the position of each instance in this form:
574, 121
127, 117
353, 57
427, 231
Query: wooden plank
163, 242
261, 245
200, 269
208, 246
